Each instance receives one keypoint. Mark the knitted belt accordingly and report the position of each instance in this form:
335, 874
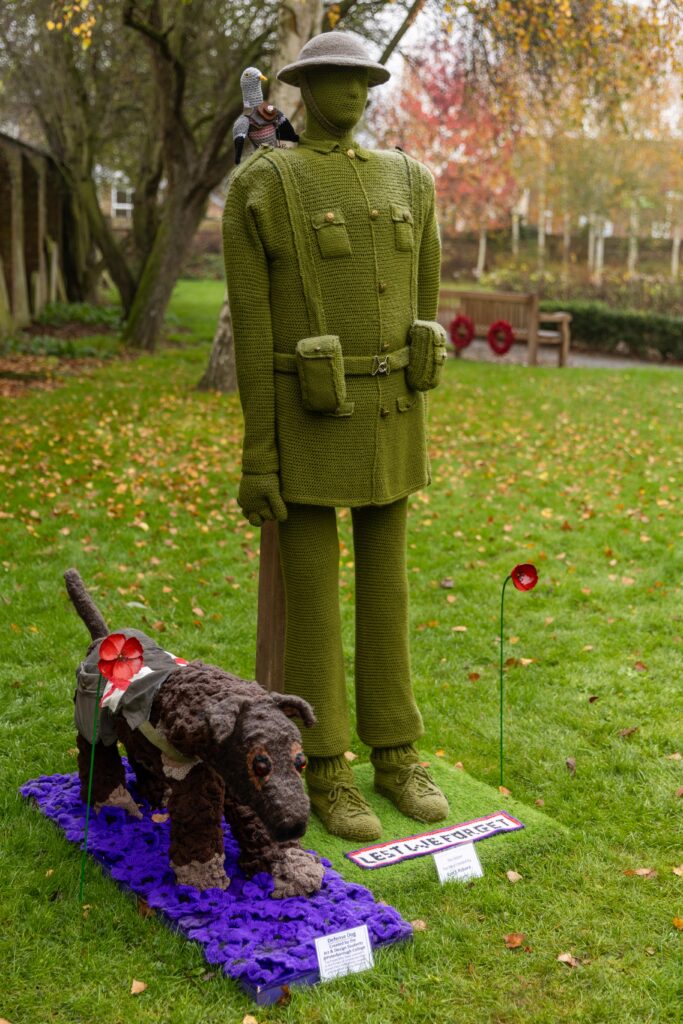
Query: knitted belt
354, 366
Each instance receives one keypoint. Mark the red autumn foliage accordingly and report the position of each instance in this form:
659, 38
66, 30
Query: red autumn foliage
445, 119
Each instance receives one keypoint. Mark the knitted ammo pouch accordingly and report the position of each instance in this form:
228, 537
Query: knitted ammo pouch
428, 353
320, 365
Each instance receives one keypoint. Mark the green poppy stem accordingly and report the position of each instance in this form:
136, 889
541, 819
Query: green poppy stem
502, 684
87, 803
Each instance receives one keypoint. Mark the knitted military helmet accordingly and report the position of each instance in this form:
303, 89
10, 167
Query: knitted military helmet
338, 49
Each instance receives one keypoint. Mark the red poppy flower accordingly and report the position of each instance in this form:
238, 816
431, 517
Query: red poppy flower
501, 337
524, 577
462, 331
120, 659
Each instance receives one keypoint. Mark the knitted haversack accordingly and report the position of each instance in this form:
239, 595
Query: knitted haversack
428, 353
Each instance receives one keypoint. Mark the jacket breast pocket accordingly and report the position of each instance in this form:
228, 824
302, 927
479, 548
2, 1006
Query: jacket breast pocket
332, 234
403, 227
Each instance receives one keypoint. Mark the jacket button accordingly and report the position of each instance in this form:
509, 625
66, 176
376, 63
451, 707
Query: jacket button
384, 346
406, 215
351, 153
374, 214
381, 287
384, 411
329, 216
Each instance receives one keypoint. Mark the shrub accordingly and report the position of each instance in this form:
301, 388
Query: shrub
629, 332
92, 347
56, 314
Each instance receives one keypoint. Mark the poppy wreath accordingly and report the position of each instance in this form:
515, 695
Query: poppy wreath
501, 337
461, 331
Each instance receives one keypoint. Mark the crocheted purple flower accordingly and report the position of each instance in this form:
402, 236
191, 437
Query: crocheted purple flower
251, 936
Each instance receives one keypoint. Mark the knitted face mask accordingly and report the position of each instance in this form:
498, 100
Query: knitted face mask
335, 96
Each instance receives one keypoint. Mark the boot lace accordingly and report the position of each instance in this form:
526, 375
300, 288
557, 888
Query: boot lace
417, 777
347, 793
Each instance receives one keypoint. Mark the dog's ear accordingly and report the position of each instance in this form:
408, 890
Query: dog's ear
222, 718
294, 707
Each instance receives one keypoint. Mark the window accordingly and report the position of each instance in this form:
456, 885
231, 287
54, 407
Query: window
122, 202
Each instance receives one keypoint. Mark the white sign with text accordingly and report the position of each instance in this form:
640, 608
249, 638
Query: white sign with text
344, 953
458, 864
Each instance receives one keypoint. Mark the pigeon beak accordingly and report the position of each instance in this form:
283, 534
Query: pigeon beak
263, 78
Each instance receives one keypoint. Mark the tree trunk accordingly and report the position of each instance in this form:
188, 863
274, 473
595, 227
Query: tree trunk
481, 255
675, 252
566, 244
632, 263
515, 233
590, 260
599, 258
541, 206
106, 243
220, 374
80, 275
162, 268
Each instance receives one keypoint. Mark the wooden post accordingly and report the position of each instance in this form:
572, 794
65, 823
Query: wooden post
270, 629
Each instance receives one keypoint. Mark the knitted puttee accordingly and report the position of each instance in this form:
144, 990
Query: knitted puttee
401, 778
338, 802
386, 712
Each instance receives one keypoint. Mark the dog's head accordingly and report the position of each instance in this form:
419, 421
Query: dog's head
257, 751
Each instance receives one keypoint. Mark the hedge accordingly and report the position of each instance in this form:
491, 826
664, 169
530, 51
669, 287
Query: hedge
597, 326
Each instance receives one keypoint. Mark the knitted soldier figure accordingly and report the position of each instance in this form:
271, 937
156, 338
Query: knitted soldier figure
332, 258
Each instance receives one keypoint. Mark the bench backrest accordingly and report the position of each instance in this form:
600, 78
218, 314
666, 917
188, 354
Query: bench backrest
484, 308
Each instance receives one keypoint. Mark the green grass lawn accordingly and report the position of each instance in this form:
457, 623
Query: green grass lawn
131, 475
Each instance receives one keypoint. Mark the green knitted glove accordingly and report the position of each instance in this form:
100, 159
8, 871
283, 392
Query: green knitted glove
259, 498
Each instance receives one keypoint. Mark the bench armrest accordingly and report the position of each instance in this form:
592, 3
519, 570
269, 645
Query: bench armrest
554, 318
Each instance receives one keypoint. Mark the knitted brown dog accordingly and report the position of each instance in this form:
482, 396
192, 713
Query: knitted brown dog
205, 744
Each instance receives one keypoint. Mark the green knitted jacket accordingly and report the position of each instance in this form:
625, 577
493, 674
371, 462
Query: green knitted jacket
371, 270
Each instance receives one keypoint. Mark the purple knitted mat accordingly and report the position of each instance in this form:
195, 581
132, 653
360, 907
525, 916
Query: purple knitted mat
261, 942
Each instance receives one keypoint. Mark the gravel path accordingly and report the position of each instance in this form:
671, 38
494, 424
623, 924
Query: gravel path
479, 351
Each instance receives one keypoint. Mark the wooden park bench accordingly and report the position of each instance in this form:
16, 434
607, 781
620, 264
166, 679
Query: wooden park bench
520, 311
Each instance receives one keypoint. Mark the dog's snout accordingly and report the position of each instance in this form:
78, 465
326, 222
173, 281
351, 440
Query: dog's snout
286, 832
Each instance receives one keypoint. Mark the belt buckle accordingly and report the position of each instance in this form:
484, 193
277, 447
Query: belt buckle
381, 367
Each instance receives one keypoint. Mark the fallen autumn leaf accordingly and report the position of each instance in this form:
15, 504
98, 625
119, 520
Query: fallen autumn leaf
137, 987
513, 876
419, 926
571, 765
514, 940
569, 960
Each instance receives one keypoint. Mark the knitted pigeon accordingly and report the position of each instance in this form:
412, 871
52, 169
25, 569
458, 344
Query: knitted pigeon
260, 122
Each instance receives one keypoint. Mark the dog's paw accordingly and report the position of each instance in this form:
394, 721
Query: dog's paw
296, 873
120, 797
209, 874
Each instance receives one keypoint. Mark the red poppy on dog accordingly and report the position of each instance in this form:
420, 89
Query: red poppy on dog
120, 659
525, 576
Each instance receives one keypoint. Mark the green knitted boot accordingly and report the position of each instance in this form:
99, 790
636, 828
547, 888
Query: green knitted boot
401, 778
338, 802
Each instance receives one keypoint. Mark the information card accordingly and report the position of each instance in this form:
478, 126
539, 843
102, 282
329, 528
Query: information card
344, 953
458, 864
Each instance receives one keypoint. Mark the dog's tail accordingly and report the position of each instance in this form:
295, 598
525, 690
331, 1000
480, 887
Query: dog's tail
84, 604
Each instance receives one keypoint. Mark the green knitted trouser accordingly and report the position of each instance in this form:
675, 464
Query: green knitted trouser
386, 712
